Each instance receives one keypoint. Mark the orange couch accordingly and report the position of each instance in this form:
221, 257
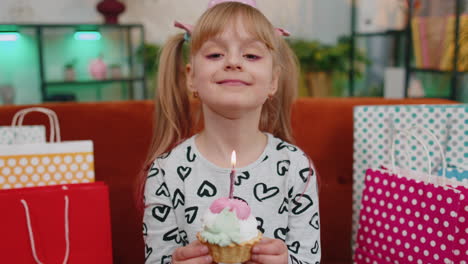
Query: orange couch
121, 132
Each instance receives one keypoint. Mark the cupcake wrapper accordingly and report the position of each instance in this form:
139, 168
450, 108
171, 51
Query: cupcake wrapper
232, 253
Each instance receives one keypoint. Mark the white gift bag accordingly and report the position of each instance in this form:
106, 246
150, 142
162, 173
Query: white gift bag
15, 134
48, 163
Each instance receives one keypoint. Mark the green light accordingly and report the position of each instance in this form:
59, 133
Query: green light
87, 35
9, 36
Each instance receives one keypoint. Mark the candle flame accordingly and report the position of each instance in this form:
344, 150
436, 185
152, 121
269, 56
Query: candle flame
233, 159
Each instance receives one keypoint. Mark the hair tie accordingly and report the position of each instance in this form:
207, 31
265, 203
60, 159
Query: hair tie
186, 37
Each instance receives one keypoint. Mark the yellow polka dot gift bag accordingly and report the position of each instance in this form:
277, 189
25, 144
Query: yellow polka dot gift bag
47, 163
412, 216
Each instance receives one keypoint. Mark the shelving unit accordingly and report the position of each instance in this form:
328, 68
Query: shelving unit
55, 46
456, 77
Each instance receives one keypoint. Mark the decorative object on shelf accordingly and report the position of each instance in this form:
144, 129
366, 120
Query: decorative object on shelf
7, 93
446, 62
434, 42
381, 15
416, 89
98, 69
111, 9
115, 71
394, 82
70, 70
320, 61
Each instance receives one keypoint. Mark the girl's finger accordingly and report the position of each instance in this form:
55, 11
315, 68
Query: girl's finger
270, 259
198, 260
269, 247
193, 250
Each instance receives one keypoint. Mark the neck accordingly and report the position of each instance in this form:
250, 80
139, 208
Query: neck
222, 135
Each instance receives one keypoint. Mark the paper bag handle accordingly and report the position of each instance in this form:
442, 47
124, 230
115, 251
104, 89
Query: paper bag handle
31, 235
53, 120
411, 133
437, 141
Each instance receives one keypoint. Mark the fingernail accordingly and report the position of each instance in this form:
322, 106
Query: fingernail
254, 257
208, 259
255, 249
204, 249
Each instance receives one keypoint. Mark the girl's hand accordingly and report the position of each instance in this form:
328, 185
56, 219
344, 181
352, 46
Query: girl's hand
193, 253
269, 251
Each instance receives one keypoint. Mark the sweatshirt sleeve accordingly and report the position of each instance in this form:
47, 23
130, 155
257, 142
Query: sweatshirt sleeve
303, 238
160, 229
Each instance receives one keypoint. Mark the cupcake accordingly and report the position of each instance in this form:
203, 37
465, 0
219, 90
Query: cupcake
229, 230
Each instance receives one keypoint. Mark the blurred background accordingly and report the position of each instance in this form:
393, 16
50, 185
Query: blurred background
93, 50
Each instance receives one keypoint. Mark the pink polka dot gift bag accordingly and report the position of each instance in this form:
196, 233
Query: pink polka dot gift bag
412, 217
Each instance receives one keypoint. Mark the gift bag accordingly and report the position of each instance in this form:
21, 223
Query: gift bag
56, 224
15, 134
457, 176
40, 164
407, 221
411, 217
21, 135
373, 131
458, 172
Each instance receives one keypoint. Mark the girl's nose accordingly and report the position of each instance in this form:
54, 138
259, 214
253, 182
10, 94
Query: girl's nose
233, 64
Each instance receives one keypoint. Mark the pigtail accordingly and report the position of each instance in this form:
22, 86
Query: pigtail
172, 108
276, 113
172, 100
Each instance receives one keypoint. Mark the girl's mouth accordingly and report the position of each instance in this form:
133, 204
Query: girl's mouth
233, 82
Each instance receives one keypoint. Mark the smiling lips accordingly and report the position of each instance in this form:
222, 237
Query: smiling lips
233, 82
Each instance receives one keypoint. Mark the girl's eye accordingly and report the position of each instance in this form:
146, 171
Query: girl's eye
252, 57
214, 56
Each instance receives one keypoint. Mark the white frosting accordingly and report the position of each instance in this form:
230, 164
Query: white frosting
248, 227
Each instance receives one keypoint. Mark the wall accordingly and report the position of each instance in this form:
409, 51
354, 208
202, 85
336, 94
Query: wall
317, 19
324, 20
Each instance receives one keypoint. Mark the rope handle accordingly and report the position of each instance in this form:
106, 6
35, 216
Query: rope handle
18, 119
410, 133
31, 234
437, 141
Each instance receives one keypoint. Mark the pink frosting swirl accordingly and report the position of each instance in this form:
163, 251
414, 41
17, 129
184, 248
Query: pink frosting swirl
241, 209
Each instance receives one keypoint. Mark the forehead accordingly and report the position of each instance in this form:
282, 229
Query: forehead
238, 32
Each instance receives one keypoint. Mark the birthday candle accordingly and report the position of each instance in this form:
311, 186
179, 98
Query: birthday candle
233, 174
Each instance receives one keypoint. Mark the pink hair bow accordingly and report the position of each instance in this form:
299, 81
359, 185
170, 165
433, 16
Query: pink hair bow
189, 28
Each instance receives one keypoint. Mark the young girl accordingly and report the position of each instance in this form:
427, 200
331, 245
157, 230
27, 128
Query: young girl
245, 77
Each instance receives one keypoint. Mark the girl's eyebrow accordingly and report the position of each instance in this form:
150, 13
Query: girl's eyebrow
245, 41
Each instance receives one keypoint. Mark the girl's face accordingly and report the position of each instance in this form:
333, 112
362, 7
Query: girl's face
233, 72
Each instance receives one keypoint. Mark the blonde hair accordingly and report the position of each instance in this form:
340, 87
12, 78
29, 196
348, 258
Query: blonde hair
174, 118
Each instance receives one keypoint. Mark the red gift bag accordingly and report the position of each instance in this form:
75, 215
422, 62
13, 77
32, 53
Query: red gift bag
56, 224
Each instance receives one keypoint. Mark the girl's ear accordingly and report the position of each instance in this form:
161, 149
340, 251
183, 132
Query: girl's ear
189, 74
275, 81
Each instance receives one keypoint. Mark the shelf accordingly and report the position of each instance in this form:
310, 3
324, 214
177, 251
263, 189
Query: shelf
382, 33
413, 69
25, 25
86, 82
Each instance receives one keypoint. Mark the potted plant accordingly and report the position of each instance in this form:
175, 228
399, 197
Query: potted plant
319, 62
70, 70
115, 71
148, 54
